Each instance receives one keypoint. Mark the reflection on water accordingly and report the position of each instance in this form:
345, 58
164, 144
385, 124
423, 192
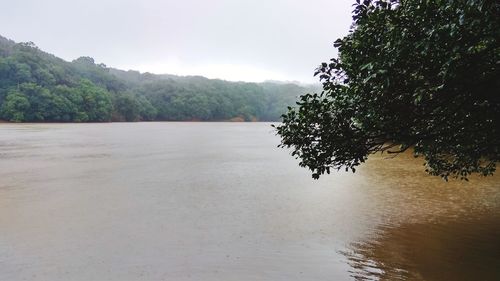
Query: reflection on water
433, 230
466, 249
219, 201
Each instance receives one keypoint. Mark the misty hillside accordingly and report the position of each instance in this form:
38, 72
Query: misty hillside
37, 86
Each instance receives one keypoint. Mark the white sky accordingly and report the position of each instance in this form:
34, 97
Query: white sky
247, 40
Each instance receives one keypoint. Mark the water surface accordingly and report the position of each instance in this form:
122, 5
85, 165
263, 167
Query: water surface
219, 201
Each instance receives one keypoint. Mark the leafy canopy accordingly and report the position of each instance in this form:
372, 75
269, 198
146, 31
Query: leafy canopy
415, 74
36, 86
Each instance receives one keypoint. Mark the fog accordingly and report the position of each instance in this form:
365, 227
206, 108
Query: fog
229, 39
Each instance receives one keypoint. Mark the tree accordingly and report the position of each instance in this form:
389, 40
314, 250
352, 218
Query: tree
69, 105
126, 107
411, 74
15, 106
146, 109
96, 102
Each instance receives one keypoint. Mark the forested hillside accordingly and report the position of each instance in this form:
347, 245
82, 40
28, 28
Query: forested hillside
36, 86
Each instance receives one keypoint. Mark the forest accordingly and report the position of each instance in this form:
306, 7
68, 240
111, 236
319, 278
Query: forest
36, 86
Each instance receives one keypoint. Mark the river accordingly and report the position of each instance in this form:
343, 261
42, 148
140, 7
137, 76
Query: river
219, 201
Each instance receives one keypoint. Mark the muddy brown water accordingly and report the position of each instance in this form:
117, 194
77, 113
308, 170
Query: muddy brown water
219, 201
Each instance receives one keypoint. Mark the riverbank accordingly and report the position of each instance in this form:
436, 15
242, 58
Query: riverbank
232, 120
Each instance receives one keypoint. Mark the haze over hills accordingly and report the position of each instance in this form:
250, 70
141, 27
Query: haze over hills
36, 86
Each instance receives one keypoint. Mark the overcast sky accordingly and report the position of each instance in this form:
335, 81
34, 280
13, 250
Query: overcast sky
247, 40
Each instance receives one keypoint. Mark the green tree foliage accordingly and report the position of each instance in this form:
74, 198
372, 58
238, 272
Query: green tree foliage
127, 107
96, 102
83, 91
410, 74
147, 111
67, 105
15, 106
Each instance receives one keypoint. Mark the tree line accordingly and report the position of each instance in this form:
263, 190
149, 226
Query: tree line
39, 87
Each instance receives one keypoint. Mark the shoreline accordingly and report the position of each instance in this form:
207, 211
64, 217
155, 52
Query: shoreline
159, 121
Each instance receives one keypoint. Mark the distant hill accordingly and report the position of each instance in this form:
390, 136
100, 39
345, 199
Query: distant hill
36, 86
